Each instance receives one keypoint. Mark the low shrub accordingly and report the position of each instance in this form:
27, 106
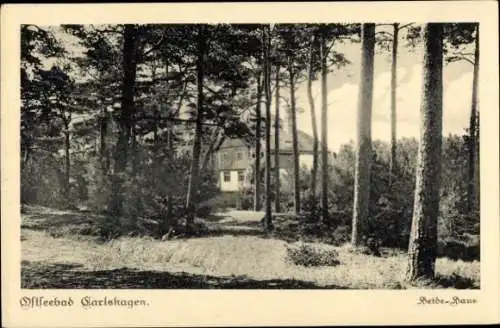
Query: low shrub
220, 202
311, 255
244, 199
205, 209
181, 229
464, 248
307, 227
340, 235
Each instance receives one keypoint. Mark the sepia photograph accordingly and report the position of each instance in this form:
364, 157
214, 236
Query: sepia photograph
223, 156
282, 155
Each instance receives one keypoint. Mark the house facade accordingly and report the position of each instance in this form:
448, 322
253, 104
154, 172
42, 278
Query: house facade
235, 159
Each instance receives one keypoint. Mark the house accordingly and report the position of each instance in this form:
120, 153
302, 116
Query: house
234, 160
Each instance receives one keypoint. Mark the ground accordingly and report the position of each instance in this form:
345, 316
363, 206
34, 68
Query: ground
235, 254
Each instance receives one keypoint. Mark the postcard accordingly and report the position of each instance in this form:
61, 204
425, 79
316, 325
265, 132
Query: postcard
214, 164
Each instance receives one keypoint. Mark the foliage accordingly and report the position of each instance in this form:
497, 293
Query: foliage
391, 205
466, 247
160, 142
41, 181
308, 255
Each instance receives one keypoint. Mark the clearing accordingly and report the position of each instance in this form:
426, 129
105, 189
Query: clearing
56, 254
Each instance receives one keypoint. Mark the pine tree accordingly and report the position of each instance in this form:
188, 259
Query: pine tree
423, 238
364, 148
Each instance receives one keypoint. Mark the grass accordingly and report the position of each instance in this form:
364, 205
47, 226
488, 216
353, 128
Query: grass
226, 256
56, 254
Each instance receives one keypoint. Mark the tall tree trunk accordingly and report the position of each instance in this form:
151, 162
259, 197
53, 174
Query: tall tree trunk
293, 114
67, 163
215, 143
477, 173
324, 132
257, 189
267, 91
103, 134
156, 107
471, 190
126, 115
277, 186
26, 189
103, 149
423, 238
138, 208
363, 149
195, 161
314, 171
393, 163
175, 114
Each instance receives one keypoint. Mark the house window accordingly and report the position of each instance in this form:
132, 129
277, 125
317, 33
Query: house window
239, 156
227, 176
241, 176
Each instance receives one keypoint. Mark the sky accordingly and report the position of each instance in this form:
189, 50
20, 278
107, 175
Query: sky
343, 93
342, 86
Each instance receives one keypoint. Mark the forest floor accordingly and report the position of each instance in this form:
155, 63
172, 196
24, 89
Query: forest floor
234, 255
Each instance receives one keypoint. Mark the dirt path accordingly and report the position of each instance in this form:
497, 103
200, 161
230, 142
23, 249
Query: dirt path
235, 223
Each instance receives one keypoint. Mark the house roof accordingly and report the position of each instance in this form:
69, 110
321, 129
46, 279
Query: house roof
305, 142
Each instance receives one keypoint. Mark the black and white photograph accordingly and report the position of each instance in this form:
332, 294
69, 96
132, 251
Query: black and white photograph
341, 155
223, 155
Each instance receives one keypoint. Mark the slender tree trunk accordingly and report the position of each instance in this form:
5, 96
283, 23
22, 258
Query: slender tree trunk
296, 181
167, 206
477, 173
155, 128
267, 91
324, 132
277, 197
157, 108
67, 163
26, 192
103, 134
314, 171
393, 163
195, 162
217, 140
103, 151
138, 208
363, 149
257, 190
472, 133
125, 119
25, 150
423, 238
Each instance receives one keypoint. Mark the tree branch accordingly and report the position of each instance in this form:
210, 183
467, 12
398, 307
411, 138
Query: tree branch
174, 119
181, 98
405, 26
109, 31
155, 46
385, 33
458, 58
330, 47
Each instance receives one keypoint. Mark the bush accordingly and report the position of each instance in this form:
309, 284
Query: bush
245, 198
466, 248
341, 235
42, 181
310, 255
307, 227
109, 228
